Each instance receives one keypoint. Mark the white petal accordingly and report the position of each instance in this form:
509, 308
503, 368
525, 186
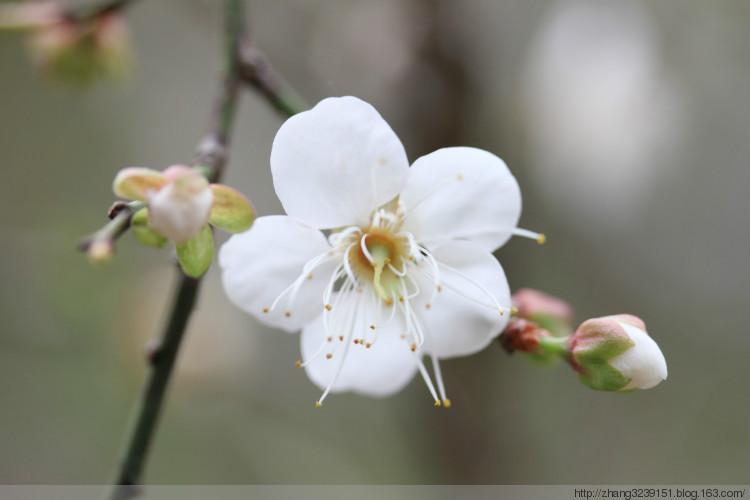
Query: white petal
381, 370
461, 193
644, 363
336, 163
259, 264
179, 215
463, 319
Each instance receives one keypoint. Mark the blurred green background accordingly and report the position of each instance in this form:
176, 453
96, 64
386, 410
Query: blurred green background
626, 123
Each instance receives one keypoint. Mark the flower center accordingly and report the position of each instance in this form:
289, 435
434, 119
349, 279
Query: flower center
378, 258
380, 274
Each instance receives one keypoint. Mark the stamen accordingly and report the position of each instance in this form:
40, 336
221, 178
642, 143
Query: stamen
481, 287
349, 330
439, 379
525, 233
427, 381
294, 287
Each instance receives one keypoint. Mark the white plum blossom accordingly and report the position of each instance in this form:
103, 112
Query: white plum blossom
378, 263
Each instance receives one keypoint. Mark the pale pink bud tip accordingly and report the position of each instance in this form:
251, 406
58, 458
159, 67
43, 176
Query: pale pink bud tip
531, 302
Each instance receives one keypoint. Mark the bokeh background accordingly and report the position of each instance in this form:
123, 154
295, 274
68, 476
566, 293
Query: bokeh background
626, 123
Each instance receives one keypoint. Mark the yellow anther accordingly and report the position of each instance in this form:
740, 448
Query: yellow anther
341, 338
413, 348
460, 177
514, 310
438, 404
318, 404
447, 403
328, 307
310, 276
400, 298
541, 239
298, 363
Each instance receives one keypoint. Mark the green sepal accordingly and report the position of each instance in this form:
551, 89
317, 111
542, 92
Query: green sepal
143, 232
551, 349
230, 211
597, 373
556, 325
196, 254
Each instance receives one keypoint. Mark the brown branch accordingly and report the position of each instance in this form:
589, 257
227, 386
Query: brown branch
84, 13
259, 74
212, 156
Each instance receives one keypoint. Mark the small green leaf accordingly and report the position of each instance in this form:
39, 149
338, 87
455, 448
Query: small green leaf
143, 232
231, 211
196, 254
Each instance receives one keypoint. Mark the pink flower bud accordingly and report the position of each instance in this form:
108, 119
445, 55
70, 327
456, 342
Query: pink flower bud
79, 52
181, 208
532, 302
614, 353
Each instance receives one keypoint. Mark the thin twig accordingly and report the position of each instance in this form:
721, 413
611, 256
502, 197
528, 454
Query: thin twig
258, 72
83, 13
251, 68
212, 155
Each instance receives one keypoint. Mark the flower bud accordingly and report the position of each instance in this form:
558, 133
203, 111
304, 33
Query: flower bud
181, 208
614, 353
100, 251
23, 16
548, 312
80, 52
521, 335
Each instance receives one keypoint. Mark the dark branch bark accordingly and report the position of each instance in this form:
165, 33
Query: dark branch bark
85, 13
212, 156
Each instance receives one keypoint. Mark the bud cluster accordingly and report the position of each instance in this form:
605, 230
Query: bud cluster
611, 353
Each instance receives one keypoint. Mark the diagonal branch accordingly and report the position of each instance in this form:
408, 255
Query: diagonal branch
212, 156
248, 67
257, 72
83, 13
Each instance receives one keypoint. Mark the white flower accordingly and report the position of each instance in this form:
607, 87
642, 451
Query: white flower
379, 264
614, 353
182, 207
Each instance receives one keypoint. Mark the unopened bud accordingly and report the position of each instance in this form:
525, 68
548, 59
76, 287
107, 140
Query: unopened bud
100, 251
181, 208
79, 52
614, 353
535, 305
521, 335
29, 15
